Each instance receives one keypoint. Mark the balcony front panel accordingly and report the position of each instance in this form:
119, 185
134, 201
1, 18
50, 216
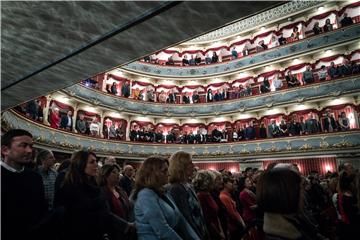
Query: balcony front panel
300, 47
302, 145
320, 90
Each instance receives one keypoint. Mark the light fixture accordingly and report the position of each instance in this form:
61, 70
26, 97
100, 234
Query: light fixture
320, 9
328, 51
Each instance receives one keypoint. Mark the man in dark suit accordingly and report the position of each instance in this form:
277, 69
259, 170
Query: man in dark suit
273, 129
127, 181
250, 132
67, 121
329, 122
125, 89
311, 125
186, 98
172, 97
199, 137
195, 97
216, 135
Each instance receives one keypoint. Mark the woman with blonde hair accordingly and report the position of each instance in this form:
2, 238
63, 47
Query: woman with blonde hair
156, 215
204, 183
181, 170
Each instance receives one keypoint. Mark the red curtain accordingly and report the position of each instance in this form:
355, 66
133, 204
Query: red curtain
166, 127
242, 123
290, 26
277, 117
227, 166
306, 165
192, 127
241, 80
89, 114
349, 110
262, 35
61, 106
296, 67
303, 113
116, 77
320, 16
141, 124
352, 5
240, 42
220, 126
216, 85
142, 84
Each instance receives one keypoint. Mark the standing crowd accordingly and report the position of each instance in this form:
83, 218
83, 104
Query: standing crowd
168, 199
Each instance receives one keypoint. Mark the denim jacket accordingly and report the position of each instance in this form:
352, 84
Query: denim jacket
159, 218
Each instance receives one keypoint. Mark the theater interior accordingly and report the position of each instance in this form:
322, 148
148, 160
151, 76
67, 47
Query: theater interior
239, 85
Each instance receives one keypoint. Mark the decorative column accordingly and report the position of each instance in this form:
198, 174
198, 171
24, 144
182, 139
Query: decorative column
74, 116
102, 124
131, 84
127, 131
46, 110
103, 86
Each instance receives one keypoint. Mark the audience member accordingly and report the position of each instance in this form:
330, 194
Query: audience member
81, 124
156, 215
46, 160
113, 89
209, 95
172, 96
328, 26
204, 183
234, 53
295, 35
67, 121
333, 71
291, 80
32, 109
265, 86
317, 29
127, 181
344, 122
195, 97
116, 198
236, 224
214, 58
150, 95
162, 97
245, 51
185, 61
278, 84
180, 189
273, 129
207, 58
346, 21
22, 191
95, 128
308, 76
329, 122
87, 215
322, 73
282, 40
125, 89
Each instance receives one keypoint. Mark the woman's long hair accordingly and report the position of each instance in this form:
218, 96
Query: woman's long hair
177, 167
148, 176
76, 172
105, 172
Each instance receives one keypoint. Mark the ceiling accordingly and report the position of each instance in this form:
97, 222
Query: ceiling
46, 46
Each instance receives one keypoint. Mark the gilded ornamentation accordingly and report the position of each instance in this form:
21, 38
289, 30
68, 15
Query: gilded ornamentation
324, 144
343, 144
306, 147
255, 21
258, 149
288, 147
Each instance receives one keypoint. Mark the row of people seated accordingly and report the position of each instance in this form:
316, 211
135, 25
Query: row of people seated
277, 39
250, 87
